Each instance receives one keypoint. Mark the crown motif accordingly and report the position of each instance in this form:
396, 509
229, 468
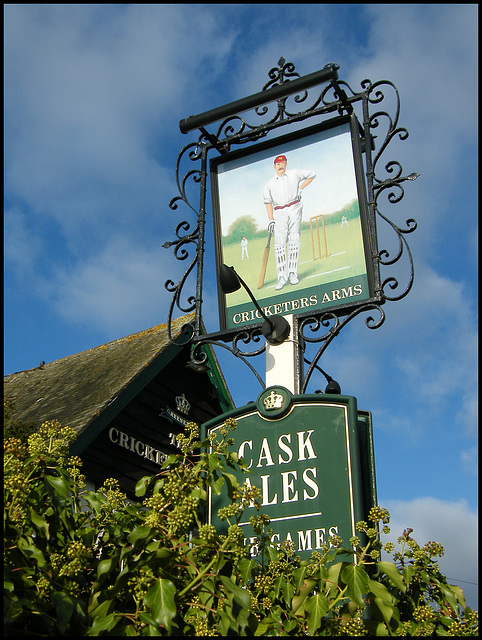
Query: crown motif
273, 401
182, 404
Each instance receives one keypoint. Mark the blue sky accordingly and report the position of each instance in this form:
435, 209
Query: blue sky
93, 98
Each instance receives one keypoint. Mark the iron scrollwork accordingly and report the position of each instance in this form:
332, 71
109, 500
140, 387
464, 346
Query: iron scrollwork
335, 96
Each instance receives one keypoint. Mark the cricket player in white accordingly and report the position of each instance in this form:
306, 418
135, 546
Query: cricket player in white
282, 197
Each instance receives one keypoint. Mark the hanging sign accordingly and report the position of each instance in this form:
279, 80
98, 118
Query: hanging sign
291, 217
311, 456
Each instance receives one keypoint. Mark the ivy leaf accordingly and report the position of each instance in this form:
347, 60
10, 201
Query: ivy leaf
103, 623
317, 607
59, 485
408, 573
160, 600
459, 594
138, 534
332, 579
241, 596
231, 482
449, 596
217, 486
64, 608
141, 486
379, 590
246, 567
385, 611
31, 551
104, 566
303, 592
390, 569
40, 522
356, 579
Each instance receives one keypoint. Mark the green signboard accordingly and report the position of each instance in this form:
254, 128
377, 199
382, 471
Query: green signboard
312, 458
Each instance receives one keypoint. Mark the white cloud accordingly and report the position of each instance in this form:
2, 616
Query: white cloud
86, 105
120, 290
469, 459
22, 247
429, 340
452, 524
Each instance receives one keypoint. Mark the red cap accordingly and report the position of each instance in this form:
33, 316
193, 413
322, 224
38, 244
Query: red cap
280, 159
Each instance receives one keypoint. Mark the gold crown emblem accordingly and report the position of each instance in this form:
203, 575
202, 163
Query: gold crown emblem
182, 404
273, 401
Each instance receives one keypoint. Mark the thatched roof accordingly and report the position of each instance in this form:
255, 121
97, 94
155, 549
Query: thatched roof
77, 389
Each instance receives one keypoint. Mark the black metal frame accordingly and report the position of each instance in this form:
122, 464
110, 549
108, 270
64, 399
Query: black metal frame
335, 97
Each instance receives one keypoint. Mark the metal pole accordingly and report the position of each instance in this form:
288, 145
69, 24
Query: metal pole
282, 363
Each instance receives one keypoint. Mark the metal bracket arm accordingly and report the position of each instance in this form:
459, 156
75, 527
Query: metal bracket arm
287, 88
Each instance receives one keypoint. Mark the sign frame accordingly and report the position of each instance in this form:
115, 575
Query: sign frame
346, 279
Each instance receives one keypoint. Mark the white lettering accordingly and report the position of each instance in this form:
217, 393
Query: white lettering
148, 453
310, 482
265, 492
136, 446
305, 444
265, 454
288, 485
320, 537
123, 440
284, 447
303, 539
339, 294
241, 450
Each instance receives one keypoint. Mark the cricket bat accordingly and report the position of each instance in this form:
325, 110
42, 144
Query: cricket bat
265, 262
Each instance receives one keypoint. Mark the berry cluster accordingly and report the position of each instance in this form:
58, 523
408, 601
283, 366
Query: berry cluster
433, 549
207, 532
263, 583
353, 627
188, 441
378, 513
423, 613
468, 626
139, 585
181, 516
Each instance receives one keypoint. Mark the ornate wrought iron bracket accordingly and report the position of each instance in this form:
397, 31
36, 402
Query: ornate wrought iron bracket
285, 99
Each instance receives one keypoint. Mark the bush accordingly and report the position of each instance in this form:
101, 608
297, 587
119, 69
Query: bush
90, 563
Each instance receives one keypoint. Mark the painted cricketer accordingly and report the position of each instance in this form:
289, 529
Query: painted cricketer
282, 197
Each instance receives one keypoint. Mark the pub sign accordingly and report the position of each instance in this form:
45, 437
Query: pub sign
291, 217
312, 458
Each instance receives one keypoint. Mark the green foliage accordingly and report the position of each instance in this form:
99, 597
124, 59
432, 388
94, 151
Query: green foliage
242, 226
89, 563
